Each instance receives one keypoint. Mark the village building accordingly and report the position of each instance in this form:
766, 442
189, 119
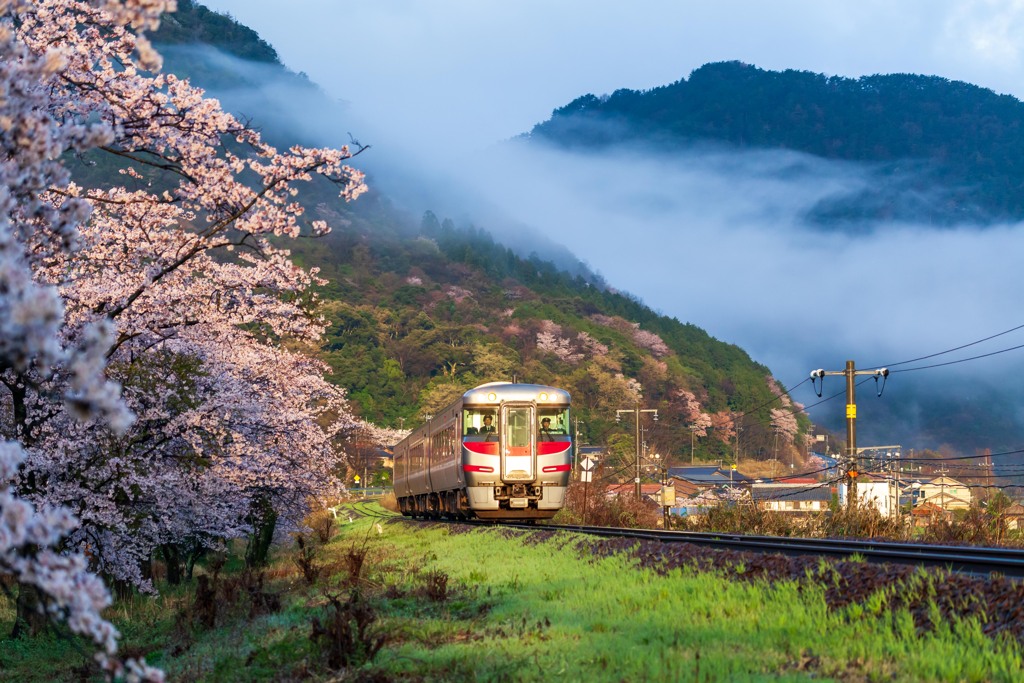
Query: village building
946, 492
692, 480
802, 497
873, 491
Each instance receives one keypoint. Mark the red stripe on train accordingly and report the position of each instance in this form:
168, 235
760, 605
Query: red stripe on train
478, 468
482, 447
556, 468
552, 447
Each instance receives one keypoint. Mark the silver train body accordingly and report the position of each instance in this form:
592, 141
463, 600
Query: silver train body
502, 451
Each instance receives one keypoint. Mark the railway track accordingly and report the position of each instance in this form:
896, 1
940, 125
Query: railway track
1008, 562
365, 509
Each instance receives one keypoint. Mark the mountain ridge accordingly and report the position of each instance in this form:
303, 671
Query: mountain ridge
924, 133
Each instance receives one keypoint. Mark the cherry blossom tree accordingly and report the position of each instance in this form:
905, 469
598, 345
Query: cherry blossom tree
784, 423
650, 341
173, 286
550, 340
33, 135
783, 418
697, 421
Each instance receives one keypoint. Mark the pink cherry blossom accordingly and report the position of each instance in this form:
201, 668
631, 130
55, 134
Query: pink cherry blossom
153, 379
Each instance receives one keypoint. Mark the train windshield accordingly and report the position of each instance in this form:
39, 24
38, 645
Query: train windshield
480, 424
553, 423
518, 427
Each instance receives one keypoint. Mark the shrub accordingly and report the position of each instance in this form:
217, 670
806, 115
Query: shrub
348, 633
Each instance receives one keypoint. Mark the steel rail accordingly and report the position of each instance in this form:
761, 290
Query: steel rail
971, 559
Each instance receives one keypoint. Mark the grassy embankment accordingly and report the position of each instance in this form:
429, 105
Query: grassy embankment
492, 605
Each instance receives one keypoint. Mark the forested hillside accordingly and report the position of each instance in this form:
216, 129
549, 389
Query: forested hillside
946, 151
416, 320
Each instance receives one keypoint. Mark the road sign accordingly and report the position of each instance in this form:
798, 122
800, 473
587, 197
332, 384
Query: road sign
585, 476
587, 464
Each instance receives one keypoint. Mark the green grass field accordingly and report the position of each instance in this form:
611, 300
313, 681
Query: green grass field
493, 605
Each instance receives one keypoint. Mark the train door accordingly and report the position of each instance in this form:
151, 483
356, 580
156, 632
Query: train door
518, 462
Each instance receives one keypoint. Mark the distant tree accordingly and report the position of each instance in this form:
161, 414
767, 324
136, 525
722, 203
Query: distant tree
439, 394
493, 362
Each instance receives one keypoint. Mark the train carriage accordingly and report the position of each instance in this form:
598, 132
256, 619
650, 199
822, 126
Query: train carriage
501, 451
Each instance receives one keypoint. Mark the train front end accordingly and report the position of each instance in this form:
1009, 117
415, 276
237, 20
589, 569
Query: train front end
516, 450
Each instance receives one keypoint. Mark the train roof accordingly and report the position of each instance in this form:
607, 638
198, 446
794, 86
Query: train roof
508, 391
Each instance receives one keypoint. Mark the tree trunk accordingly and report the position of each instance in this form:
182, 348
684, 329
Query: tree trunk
31, 618
194, 556
264, 521
172, 559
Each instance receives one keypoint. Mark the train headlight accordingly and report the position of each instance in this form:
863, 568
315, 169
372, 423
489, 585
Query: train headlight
543, 396
492, 397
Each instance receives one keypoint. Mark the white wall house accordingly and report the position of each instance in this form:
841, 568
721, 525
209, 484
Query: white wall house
881, 494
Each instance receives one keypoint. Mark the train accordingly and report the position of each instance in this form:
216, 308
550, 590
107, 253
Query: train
502, 451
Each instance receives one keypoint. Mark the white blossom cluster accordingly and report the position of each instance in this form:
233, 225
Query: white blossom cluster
147, 384
650, 341
550, 340
33, 135
696, 420
783, 418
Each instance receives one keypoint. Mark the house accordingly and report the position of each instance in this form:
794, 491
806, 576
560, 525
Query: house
874, 491
946, 501
791, 497
690, 481
954, 494
923, 514
708, 498
647, 491
1014, 515
386, 456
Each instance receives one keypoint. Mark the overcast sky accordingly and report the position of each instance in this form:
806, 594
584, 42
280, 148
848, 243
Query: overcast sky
716, 241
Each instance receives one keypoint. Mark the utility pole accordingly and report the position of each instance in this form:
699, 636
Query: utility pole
851, 417
693, 434
775, 450
736, 458
636, 413
576, 445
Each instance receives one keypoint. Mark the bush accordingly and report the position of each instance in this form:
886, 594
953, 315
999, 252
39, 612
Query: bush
598, 509
348, 633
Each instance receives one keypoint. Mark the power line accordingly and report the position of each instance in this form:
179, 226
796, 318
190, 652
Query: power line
964, 457
962, 360
963, 346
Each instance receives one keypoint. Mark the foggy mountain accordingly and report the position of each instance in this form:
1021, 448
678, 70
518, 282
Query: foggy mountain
939, 151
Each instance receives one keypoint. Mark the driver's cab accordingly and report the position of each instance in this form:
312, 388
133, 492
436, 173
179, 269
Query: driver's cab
480, 424
552, 423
